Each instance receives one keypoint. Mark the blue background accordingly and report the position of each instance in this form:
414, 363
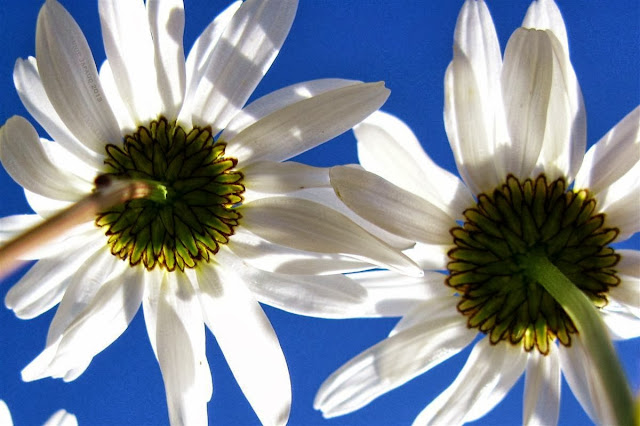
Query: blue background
408, 44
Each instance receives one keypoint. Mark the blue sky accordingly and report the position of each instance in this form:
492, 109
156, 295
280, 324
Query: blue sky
408, 44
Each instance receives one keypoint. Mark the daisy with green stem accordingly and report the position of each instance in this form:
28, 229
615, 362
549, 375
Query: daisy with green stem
525, 237
207, 196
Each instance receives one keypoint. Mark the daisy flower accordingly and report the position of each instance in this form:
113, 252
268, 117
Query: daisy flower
59, 418
528, 195
190, 251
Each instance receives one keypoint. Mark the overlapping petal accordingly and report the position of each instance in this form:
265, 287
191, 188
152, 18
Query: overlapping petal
542, 388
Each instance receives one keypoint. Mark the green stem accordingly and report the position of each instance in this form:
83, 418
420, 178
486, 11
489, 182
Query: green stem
592, 331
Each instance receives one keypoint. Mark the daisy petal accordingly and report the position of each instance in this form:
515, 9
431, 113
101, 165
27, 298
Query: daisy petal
527, 86
545, 15
583, 380
61, 418
384, 140
392, 295
280, 178
622, 324
332, 296
309, 226
244, 53
100, 323
303, 125
393, 209
180, 340
489, 373
271, 257
391, 363
120, 110
199, 55
542, 388
70, 78
85, 283
166, 21
627, 293
35, 100
620, 203
620, 146
25, 159
280, 99
130, 52
44, 284
434, 309
248, 342
153, 280
5, 414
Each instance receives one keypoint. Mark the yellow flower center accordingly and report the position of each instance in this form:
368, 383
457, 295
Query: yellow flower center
195, 212
518, 218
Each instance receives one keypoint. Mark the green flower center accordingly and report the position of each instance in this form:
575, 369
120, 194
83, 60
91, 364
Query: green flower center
196, 190
520, 218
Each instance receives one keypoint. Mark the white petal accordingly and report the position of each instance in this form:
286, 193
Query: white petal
619, 202
309, 226
489, 373
467, 128
166, 22
474, 118
331, 296
545, 15
542, 388
85, 283
5, 414
27, 162
120, 110
279, 178
390, 207
129, 48
429, 256
390, 294
34, 98
527, 86
434, 309
619, 147
199, 56
180, 340
583, 380
388, 148
244, 53
303, 125
43, 285
61, 418
271, 257
627, 293
10, 226
280, 99
391, 363
248, 342
622, 323
70, 78
153, 282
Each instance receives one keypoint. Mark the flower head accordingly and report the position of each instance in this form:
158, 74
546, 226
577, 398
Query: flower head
517, 130
192, 251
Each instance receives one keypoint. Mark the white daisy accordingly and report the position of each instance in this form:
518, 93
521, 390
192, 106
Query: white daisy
59, 418
188, 254
517, 131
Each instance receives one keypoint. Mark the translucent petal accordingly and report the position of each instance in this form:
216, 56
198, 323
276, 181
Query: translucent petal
391, 208
303, 125
391, 363
70, 78
130, 52
489, 373
61, 418
5, 414
279, 178
309, 226
248, 342
118, 106
388, 148
542, 388
545, 15
180, 341
25, 159
166, 22
239, 60
34, 98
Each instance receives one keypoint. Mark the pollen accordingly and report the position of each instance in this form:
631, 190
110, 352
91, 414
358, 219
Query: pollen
193, 211
518, 218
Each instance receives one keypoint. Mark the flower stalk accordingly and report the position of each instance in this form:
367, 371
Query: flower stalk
108, 193
592, 332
